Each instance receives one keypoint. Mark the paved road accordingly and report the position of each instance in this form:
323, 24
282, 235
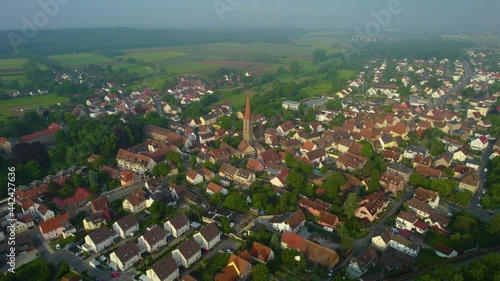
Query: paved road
461, 84
73, 261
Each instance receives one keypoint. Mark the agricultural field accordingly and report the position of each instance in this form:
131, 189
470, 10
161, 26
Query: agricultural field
319, 89
152, 55
76, 60
12, 70
17, 106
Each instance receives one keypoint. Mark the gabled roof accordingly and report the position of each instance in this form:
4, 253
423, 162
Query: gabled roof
155, 235
54, 223
127, 251
100, 234
210, 231
215, 188
426, 195
260, 252
165, 267
180, 220
127, 222
189, 248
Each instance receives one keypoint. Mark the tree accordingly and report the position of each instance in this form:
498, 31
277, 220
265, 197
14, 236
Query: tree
226, 226
295, 180
217, 199
193, 162
346, 241
464, 223
374, 185
310, 115
159, 211
294, 67
333, 104
161, 170
367, 150
174, 157
494, 225
288, 256
66, 191
350, 205
236, 201
275, 242
260, 273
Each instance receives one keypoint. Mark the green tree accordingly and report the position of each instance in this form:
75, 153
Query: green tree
66, 191
319, 55
295, 180
225, 224
294, 67
161, 170
346, 241
159, 211
260, 272
275, 243
494, 225
288, 256
367, 150
193, 162
334, 104
374, 185
350, 205
236, 201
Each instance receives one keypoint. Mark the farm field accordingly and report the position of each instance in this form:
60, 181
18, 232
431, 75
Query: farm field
81, 59
12, 106
346, 74
319, 89
153, 55
12, 69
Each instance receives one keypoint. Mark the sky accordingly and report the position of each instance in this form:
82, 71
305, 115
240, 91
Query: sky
454, 15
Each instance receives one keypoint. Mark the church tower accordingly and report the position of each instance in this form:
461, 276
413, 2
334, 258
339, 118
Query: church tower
248, 123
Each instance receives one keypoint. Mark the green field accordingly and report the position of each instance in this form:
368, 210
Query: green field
10, 107
81, 59
346, 74
319, 89
12, 63
154, 56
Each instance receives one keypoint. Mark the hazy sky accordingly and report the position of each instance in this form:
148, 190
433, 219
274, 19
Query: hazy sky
449, 14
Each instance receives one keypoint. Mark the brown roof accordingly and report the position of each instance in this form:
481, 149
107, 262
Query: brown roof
443, 249
180, 220
155, 235
428, 172
127, 251
254, 165
99, 204
165, 267
296, 219
471, 179
314, 252
228, 169
54, 223
408, 216
137, 197
189, 248
328, 218
100, 234
192, 174
260, 252
421, 160
127, 222
214, 187
315, 154
210, 231
419, 205
425, 195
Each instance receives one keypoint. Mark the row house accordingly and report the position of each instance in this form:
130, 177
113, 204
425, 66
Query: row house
135, 162
126, 255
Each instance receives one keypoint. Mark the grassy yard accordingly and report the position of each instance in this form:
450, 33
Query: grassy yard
62, 242
426, 257
207, 269
7, 107
80, 59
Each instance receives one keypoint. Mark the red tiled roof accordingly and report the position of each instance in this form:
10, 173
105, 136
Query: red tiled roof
54, 223
81, 194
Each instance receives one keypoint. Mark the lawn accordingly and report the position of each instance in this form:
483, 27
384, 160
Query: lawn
62, 242
152, 56
207, 269
427, 257
32, 102
318, 89
346, 74
80, 59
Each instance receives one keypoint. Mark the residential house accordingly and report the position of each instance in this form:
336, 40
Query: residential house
135, 162
428, 196
137, 201
285, 129
421, 160
207, 174
422, 209
208, 236
255, 165
444, 252
406, 220
289, 222
244, 177
187, 253
460, 155
389, 239
153, 239
99, 204
444, 160
126, 226
177, 225
371, 206
126, 255
237, 269
313, 252
166, 269
215, 214
95, 221
23, 224
261, 253
392, 182
56, 227
470, 182
428, 172
328, 221
412, 150
193, 177
99, 239
213, 188
314, 206
359, 265
480, 143
400, 170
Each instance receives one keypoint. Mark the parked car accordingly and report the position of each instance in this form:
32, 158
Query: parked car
115, 274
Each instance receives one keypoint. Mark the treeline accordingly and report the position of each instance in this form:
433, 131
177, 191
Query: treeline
51, 42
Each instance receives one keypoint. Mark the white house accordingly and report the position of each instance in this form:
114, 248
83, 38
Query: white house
289, 222
126, 226
193, 177
153, 239
166, 269
480, 143
388, 239
56, 227
99, 239
177, 225
445, 252
213, 188
126, 255
208, 236
188, 253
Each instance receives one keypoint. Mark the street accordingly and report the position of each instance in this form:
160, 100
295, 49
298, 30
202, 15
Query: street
74, 262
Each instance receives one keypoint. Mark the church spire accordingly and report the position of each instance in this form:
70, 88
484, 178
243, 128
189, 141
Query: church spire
248, 111
248, 123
